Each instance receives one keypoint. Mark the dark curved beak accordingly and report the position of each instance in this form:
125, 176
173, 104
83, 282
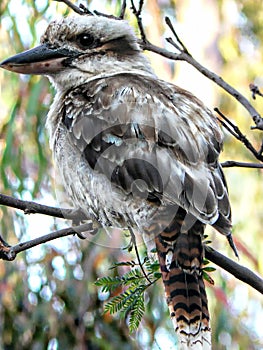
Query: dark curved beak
39, 60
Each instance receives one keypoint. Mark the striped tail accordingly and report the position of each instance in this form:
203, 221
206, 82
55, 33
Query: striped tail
181, 256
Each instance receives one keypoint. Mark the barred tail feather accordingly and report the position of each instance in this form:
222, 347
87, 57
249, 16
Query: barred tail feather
180, 256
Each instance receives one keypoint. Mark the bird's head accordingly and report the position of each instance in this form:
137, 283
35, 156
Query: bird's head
76, 49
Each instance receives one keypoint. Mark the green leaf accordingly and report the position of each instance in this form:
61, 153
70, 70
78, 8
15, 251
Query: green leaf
132, 276
208, 278
157, 275
206, 262
152, 266
118, 302
130, 302
137, 313
109, 283
209, 269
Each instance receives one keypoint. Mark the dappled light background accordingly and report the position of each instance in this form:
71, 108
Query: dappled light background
47, 296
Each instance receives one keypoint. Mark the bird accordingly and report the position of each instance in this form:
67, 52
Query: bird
135, 152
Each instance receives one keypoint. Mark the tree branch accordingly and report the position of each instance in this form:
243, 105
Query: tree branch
235, 131
30, 207
183, 47
255, 91
137, 14
184, 55
240, 272
81, 9
233, 163
123, 9
9, 253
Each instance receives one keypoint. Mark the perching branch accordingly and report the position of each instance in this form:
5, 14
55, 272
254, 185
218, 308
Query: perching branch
240, 272
30, 207
9, 253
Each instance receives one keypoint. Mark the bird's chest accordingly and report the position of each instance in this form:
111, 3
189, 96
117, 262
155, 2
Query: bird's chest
85, 187
93, 191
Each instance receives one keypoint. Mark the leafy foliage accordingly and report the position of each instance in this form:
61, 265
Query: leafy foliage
129, 289
134, 283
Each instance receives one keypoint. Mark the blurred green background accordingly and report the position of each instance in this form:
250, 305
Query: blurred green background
47, 296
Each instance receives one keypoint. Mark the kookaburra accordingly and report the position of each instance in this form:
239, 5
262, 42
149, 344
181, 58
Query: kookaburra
135, 152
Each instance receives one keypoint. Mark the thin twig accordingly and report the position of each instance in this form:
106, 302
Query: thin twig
240, 272
123, 9
10, 252
172, 42
235, 131
141, 3
137, 14
170, 25
81, 9
255, 91
183, 56
233, 163
133, 238
261, 148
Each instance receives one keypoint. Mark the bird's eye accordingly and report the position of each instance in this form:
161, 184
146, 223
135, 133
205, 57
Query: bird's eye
86, 40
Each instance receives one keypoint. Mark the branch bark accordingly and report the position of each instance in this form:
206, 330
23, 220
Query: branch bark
81, 9
9, 253
240, 272
233, 163
235, 131
30, 207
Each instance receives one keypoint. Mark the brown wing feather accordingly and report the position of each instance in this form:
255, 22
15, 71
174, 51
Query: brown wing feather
131, 127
